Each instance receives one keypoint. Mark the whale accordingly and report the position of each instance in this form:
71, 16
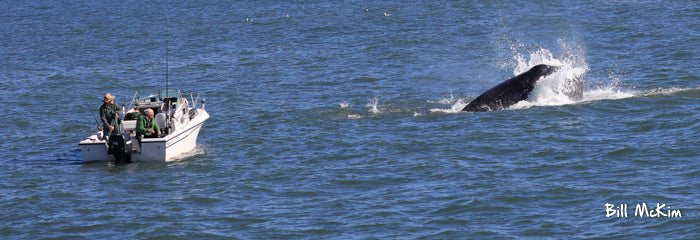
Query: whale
510, 91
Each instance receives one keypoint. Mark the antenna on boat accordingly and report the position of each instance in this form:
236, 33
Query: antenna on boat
167, 80
166, 66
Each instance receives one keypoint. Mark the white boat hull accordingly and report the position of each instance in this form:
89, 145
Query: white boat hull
166, 149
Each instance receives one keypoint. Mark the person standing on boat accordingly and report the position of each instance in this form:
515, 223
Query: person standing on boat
109, 113
146, 126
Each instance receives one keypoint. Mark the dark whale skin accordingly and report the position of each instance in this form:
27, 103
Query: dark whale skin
510, 91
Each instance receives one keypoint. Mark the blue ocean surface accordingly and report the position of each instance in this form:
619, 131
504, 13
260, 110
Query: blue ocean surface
341, 120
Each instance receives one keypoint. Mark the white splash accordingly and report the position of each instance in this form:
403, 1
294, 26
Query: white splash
455, 108
556, 88
551, 90
373, 106
445, 100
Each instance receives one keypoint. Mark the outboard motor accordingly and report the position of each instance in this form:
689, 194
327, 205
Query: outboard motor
117, 147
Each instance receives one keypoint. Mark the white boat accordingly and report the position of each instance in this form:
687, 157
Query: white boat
178, 117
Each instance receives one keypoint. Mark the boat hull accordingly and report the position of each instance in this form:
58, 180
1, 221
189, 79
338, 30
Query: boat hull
166, 149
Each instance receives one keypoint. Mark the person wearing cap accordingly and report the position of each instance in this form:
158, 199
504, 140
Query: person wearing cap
109, 113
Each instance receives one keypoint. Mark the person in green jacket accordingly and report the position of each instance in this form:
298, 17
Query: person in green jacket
146, 126
109, 114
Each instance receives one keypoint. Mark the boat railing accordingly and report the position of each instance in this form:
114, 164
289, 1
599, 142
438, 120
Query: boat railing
195, 101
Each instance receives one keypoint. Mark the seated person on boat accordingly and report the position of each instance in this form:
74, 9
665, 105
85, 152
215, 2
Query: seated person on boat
146, 125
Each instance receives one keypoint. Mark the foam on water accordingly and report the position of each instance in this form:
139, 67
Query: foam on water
198, 150
445, 100
550, 91
456, 107
373, 106
666, 91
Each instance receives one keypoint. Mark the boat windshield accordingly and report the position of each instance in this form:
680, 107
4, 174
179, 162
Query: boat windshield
145, 98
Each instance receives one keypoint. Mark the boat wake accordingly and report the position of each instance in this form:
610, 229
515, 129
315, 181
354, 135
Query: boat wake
200, 149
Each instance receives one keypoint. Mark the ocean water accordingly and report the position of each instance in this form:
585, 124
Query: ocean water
340, 120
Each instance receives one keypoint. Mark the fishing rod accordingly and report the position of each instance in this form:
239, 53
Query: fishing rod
93, 116
123, 115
